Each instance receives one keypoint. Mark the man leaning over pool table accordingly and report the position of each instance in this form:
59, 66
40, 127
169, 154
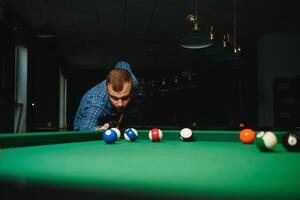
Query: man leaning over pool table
107, 100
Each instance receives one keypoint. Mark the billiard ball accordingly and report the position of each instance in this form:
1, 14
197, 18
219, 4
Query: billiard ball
186, 135
266, 141
291, 141
110, 136
130, 134
155, 135
117, 131
247, 136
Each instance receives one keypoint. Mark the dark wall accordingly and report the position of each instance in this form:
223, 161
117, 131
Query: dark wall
43, 63
278, 58
217, 96
43, 84
220, 94
6, 77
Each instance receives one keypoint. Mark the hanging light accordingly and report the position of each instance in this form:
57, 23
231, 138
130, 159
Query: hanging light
44, 31
175, 79
225, 41
197, 39
211, 33
236, 48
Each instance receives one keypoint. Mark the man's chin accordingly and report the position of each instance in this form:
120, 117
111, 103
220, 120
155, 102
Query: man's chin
120, 110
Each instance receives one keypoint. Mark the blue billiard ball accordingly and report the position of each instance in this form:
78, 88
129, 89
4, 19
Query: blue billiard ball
117, 131
110, 136
130, 134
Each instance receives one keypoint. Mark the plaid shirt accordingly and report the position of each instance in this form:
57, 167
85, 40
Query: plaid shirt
95, 108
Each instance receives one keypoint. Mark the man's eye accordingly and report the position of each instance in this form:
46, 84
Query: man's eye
125, 98
122, 98
114, 98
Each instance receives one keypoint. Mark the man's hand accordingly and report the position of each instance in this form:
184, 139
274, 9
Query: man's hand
111, 124
104, 127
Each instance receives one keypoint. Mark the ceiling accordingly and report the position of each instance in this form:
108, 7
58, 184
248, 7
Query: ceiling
97, 33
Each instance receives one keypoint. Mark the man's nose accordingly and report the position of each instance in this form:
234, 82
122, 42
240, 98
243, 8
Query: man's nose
120, 102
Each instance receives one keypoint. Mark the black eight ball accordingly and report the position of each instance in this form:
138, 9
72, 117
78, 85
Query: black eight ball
291, 141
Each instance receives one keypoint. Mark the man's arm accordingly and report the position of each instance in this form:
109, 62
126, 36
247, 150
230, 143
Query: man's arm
89, 112
90, 119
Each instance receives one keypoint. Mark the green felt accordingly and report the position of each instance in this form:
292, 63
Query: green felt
193, 169
39, 138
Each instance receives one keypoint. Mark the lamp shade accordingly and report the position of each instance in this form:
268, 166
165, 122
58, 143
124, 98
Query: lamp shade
196, 40
45, 31
215, 49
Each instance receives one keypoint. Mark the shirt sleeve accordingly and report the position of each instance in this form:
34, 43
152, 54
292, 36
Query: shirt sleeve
126, 66
91, 116
90, 121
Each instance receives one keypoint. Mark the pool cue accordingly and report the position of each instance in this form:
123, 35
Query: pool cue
120, 120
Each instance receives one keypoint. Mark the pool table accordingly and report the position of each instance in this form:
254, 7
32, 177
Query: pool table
79, 165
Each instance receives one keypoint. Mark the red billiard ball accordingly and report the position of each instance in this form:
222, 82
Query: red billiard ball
155, 135
247, 136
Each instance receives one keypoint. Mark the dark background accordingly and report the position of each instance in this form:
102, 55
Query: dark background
224, 89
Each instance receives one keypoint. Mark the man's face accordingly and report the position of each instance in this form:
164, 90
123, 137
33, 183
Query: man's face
120, 99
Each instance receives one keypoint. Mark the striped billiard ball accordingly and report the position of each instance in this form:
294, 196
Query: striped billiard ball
155, 135
130, 134
117, 131
266, 141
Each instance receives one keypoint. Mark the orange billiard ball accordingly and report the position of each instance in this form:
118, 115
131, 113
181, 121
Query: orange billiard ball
247, 136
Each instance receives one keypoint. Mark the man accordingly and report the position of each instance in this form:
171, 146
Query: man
106, 101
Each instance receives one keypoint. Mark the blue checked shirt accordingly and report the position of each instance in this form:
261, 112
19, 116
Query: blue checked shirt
95, 108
